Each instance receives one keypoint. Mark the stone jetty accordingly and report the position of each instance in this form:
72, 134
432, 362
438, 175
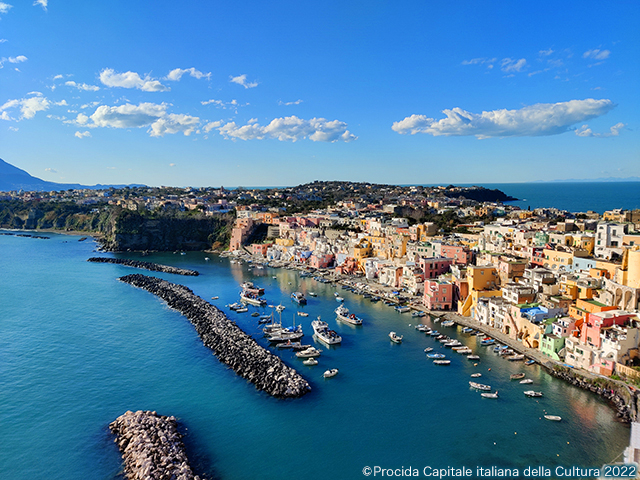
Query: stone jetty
153, 267
229, 343
151, 446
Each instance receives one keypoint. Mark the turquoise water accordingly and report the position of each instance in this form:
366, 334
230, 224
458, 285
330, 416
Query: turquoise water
78, 348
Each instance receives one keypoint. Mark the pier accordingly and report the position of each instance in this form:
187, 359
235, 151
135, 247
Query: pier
229, 343
151, 446
153, 267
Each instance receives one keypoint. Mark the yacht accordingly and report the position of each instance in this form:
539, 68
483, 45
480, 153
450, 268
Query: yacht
324, 334
310, 352
330, 373
310, 362
343, 314
531, 393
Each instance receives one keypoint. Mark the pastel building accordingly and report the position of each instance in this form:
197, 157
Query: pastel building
438, 295
433, 267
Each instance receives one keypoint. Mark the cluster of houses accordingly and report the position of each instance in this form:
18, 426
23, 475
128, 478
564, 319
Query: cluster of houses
568, 287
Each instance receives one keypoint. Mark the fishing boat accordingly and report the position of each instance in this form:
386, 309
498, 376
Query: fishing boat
251, 288
463, 350
526, 381
516, 376
480, 386
467, 330
448, 323
310, 352
280, 308
299, 298
339, 299
453, 343
421, 328
402, 309
554, 418
436, 355
418, 314
330, 373
288, 344
476, 375
486, 342
285, 335
434, 333
441, 362
515, 358
395, 337
324, 334
473, 357
310, 362
428, 349
343, 314
531, 393
530, 362
489, 395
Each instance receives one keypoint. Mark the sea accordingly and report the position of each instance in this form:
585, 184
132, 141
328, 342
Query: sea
572, 196
78, 348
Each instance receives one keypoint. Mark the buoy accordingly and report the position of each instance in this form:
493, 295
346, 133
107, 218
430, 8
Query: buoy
489, 370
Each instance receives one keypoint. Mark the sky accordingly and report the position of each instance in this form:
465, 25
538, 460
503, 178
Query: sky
210, 93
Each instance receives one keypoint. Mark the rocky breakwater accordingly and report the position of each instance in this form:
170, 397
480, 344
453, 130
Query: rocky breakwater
151, 446
153, 267
228, 342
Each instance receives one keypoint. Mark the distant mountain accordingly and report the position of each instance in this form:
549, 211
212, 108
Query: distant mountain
12, 178
592, 180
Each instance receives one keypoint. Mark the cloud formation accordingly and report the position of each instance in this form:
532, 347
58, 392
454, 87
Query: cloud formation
42, 3
28, 106
83, 134
287, 129
151, 115
131, 80
177, 73
536, 120
510, 65
242, 80
585, 131
297, 102
5, 7
596, 54
82, 86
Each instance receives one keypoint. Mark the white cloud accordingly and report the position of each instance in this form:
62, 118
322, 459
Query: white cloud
2, 40
614, 131
82, 86
596, 54
151, 115
545, 53
83, 134
14, 129
290, 128
28, 106
42, 3
177, 73
510, 65
18, 59
50, 170
480, 61
211, 125
5, 7
242, 80
172, 164
536, 120
297, 102
131, 80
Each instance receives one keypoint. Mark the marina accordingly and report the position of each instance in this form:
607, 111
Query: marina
211, 400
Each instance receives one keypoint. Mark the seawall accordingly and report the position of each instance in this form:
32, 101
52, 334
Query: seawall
153, 267
229, 343
151, 446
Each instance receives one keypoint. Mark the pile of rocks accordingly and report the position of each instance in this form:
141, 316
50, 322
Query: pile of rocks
154, 267
229, 343
151, 446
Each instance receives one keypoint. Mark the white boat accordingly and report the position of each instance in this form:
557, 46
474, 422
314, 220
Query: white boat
489, 395
436, 355
480, 386
515, 358
476, 375
299, 298
428, 349
402, 309
310, 361
313, 294
339, 299
531, 393
526, 381
252, 299
441, 362
215, 298
554, 418
516, 376
330, 373
418, 314
310, 352
303, 314
280, 308
242, 310
324, 334
343, 314
395, 337
473, 357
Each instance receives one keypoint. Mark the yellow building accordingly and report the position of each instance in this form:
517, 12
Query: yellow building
483, 282
285, 242
557, 260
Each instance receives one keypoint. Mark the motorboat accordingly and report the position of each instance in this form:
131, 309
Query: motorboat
324, 333
486, 342
467, 330
530, 362
526, 381
418, 314
288, 344
428, 349
516, 376
441, 362
330, 373
434, 333
473, 357
299, 298
242, 310
255, 314
280, 308
531, 393
554, 418
436, 355
403, 309
453, 343
463, 350
476, 375
395, 337
310, 352
303, 314
343, 314
489, 395
421, 328
313, 294
515, 358
251, 288
448, 323
310, 362
480, 386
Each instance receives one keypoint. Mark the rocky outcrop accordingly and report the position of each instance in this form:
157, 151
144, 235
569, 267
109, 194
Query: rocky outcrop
154, 267
229, 343
151, 447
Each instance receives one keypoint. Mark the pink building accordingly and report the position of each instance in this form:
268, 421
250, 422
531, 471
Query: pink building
461, 255
321, 261
438, 295
590, 331
260, 248
435, 266
239, 233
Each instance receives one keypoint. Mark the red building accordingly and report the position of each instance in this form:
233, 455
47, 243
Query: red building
435, 266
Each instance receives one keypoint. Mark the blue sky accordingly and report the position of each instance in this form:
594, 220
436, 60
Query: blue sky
209, 93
